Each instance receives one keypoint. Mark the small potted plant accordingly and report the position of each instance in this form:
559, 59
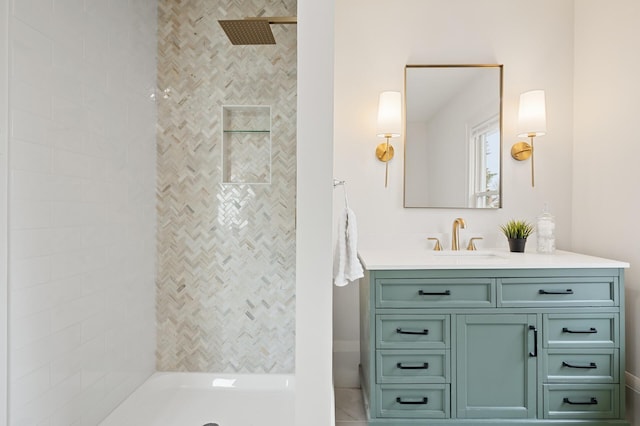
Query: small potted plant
517, 232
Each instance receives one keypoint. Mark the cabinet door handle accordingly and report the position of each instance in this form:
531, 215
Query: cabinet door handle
589, 331
428, 293
591, 365
424, 366
424, 400
421, 332
567, 291
535, 341
593, 401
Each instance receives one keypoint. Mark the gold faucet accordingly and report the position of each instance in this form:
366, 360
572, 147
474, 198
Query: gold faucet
455, 238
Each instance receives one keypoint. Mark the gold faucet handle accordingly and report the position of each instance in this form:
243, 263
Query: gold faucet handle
437, 246
471, 245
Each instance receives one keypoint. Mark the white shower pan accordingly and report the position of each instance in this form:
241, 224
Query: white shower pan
204, 399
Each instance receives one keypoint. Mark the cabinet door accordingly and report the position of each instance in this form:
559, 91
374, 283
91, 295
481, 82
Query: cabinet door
496, 366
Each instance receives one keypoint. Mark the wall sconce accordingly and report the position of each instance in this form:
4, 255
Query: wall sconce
532, 122
389, 125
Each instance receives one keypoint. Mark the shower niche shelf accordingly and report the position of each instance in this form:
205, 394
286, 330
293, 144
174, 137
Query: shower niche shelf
246, 144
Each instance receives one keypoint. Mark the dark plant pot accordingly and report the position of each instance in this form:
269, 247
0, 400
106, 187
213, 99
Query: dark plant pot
517, 244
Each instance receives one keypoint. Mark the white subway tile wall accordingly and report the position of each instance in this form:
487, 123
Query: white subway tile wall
82, 214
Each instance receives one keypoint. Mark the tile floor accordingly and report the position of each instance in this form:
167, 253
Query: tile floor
349, 407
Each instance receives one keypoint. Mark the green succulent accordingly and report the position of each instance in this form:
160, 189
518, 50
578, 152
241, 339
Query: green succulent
517, 229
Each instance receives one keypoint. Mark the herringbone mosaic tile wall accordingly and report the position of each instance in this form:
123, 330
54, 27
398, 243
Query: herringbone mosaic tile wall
226, 253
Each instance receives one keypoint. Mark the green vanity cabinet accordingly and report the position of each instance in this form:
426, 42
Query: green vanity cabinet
512, 346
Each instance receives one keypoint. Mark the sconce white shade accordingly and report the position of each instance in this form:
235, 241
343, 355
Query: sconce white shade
389, 115
532, 116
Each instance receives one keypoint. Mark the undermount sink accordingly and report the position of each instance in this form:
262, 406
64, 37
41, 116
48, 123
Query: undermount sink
477, 254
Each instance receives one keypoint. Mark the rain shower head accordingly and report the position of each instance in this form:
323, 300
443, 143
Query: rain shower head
253, 30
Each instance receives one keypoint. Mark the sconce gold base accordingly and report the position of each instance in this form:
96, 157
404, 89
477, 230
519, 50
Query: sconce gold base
384, 152
521, 151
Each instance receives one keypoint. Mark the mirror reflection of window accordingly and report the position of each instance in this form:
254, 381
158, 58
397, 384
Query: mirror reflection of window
484, 155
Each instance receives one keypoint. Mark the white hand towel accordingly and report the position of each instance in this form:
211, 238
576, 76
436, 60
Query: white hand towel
346, 265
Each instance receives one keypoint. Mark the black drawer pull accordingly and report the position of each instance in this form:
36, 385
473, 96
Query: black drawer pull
591, 365
427, 293
424, 400
593, 401
589, 331
421, 332
535, 341
567, 291
424, 366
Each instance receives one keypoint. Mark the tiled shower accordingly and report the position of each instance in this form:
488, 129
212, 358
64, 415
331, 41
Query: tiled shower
112, 252
226, 244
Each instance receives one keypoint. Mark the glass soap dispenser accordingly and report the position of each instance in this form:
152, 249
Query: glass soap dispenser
546, 230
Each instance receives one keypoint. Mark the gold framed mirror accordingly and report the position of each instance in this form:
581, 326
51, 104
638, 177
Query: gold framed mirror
453, 136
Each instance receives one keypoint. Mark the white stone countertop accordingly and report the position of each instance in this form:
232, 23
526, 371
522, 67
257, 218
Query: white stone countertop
396, 259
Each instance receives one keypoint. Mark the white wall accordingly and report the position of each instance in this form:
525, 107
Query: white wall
606, 204
82, 207
4, 140
314, 393
375, 39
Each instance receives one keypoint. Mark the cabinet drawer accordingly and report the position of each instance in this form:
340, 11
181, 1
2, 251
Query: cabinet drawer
412, 331
410, 366
435, 292
569, 291
581, 330
581, 365
580, 401
414, 401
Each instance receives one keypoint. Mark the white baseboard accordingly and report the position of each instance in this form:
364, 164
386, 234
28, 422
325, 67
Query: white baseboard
633, 382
